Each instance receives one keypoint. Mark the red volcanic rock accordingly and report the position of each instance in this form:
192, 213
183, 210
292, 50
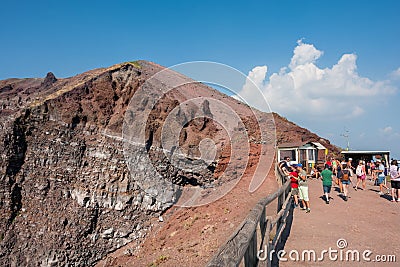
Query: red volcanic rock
74, 188
289, 132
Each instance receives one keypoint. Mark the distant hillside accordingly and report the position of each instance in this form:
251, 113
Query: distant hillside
289, 132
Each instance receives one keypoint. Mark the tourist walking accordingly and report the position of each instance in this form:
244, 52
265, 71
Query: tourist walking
350, 166
328, 163
294, 184
303, 188
339, 176
345, 179
381, 177
395, 180
334, 166
327, 175
361, 175
373, 171
368, 167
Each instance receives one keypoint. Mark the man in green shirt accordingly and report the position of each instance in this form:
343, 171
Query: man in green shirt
326, 176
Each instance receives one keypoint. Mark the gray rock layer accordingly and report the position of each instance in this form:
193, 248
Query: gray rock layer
67, 197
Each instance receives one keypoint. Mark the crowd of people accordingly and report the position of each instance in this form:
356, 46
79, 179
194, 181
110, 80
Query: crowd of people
341, 174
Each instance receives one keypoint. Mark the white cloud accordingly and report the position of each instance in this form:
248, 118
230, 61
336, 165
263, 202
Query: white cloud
357, 111
257, 75
387, 130
304, 54
388, 133
313, 91
395, 74
250, 92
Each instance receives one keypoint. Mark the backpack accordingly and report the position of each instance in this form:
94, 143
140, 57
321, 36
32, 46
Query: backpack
345, 176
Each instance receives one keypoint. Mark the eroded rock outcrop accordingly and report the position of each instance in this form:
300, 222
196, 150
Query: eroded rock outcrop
73, 188
64, 182
67, 196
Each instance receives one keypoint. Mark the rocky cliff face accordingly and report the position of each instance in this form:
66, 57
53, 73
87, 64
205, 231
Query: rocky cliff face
74, 183
68, 192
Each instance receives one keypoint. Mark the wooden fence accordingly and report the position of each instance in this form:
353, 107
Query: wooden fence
258, 234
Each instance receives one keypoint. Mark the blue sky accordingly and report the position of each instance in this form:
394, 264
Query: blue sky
260, 38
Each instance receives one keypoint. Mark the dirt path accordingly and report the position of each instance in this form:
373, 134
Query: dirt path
366, 221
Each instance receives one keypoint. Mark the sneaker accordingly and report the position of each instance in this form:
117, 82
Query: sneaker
355, 188
346, 198
327, 202
302, 208
380, 193
393, 200
308, 210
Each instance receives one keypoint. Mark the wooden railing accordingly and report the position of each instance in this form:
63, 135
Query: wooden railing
258, 234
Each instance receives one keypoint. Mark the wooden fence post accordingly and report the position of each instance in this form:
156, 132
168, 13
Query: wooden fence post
250, 257
243, 245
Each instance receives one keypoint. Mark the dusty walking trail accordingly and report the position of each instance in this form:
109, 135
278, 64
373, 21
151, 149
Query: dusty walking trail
366, 221
189, 237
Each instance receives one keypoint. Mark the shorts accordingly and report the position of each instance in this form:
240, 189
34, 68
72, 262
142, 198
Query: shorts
295, 191
303, 193
381, 179
327, 188
362, 177
395, 184
345, 182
